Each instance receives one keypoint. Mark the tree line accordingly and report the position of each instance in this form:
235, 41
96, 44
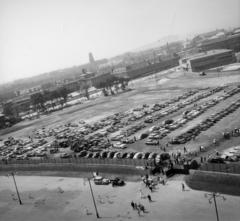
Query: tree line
59, 95
111, 85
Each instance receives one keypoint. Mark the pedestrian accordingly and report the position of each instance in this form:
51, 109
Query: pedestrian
141, 207
185, 150
138, 211
86, 211
133, 205
151, 188
214, 141
142, 178
163, 182
141, 193
135, 138
149, 198
183, 187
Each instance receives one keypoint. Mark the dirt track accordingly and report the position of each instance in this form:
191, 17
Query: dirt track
61, 198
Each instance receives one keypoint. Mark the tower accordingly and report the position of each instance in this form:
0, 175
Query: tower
93, 67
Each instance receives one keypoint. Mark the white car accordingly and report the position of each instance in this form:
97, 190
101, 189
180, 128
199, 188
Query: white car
98, 180
119, 145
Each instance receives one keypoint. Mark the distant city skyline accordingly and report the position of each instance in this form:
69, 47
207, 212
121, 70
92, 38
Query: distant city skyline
41, 36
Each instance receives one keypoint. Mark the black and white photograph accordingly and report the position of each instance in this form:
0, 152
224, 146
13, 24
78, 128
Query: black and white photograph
118, 110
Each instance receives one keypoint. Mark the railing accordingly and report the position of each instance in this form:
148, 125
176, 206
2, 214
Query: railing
127, 166
130, 162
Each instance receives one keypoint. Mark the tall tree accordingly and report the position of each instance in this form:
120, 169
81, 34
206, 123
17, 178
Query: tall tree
38, 101
63, 92
8, 109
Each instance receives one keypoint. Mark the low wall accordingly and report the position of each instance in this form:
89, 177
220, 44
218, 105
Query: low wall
125, 166
209, 181
224, 168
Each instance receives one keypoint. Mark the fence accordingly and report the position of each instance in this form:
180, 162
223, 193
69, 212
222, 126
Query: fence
224, 168
131, 162
77, 164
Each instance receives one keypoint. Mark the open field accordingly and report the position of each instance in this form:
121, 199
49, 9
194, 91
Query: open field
61, 198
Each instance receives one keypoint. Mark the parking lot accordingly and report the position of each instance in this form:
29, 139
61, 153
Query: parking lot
154, 117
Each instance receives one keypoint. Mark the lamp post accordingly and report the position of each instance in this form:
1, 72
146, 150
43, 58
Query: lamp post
15, 184
93, 199
213, 196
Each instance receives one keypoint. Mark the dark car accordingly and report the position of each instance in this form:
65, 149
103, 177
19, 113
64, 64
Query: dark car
117, 182
104, 154
89, 155
216, 160
143, 136
165, 156
83, 153
130, 155
111, 154
124, 155
96, 155
146, 155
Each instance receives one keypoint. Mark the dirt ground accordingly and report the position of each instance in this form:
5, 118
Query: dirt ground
61, 198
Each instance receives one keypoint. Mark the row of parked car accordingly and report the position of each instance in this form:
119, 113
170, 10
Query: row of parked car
205, 124
159, 132
113, 154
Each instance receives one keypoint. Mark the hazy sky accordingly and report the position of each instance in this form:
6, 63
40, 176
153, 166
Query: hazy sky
38, 36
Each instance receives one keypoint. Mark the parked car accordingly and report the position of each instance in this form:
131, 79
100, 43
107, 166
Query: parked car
89, 155
83, 153
119, 145
216, 160
111, 154
143, 136
117, 182
104, 154
130, 155
152, 142
96, 155
65, 155
98, 180
117, 155
138, 155
152, 155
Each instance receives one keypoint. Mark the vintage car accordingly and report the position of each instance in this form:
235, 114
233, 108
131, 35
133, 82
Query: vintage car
98, 180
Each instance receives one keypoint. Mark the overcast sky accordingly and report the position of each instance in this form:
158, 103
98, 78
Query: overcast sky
38, 36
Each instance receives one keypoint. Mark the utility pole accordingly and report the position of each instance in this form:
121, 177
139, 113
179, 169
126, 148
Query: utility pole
15, 184
93, 199
212, 196
214, 199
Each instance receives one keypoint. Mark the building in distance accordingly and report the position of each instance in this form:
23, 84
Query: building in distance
207, 60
